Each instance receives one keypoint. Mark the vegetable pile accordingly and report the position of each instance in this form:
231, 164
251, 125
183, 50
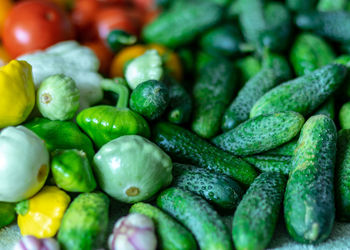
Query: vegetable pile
140, 124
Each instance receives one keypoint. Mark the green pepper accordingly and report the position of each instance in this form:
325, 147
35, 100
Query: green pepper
61, 135
7, 213
104, 123
116, 39
72, 172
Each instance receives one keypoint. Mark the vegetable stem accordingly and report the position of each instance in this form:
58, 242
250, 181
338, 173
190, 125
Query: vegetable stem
117, 86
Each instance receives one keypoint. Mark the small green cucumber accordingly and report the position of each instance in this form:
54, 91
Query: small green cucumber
218, 189
248, 67
260, 133
270, 163
85, 222
333, 5
309, 198
303, 94
198, 216
327, 108
256, 216
301, 5
344, 116
172, 235
286, 149
186, 147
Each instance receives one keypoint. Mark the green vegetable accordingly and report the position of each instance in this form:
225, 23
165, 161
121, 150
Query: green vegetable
216, 188
327, 108
344, 116
301, 5
105, 123
172, 235
182, 23
84, 225
286, 149
72, 172
116, 39
186, 147
256, 216
310, 52
270, 163
248, 67
303, 94
58, 98
61, 135
260, 133
333, 5
150, 99
342, 174
131, 168
197, 215
309, 198
274, 71
143, 68
7, 213
212, 92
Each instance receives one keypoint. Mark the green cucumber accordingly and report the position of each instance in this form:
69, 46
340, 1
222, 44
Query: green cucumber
309, 199
327, 108
212, 92
286, 149
186, 147
248, 67
218, 189
182, 23
198, 216
171, 234
270, 163
310, 52
7, 213
301, 5
333, 5
303, 94
85, 222
275, 70
344, 116
256, 216
260, 133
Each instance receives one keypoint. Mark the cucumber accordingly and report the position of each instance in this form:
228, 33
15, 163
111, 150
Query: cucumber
85, 222
202, 60
309, 199
303, 94
260, 133
286, 149
333, 5
186, 147
342, 176
310, 52
7, 213
171, 234
248, 67
333, 25
270, 163
256, 216
301, 5
150, 99
327, 108
212, 92
198, 216
183, 23
275, 70
218, 189
344, 116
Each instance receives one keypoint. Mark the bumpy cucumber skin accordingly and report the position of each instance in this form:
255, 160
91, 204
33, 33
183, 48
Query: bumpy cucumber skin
186, 147
310, 52
344, 116
303, 94
218, 189
198, 216
85, 222
212, 92
286, 149
180, 25
301, 5
334, 25
271, 163
172, 235
256, 216
275, 70
327, 108
309, 198
342, 176
260, 133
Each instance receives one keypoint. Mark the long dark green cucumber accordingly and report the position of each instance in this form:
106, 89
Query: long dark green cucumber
181, 24
303, 94
85, 222
270, 163
212, 92
256, 216
275, 70
309, 199
186, 147
342, 176
218, 189
171, 235
198, 216
260, 133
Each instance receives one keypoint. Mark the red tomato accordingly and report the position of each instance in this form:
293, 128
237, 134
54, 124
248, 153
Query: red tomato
104, 55
144, 4
34, 25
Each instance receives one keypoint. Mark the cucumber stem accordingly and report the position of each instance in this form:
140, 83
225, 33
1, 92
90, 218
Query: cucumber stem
118, 87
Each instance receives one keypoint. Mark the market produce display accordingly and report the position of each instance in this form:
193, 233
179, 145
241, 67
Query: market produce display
163, 124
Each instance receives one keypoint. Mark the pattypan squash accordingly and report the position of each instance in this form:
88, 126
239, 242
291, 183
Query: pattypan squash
24, 164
